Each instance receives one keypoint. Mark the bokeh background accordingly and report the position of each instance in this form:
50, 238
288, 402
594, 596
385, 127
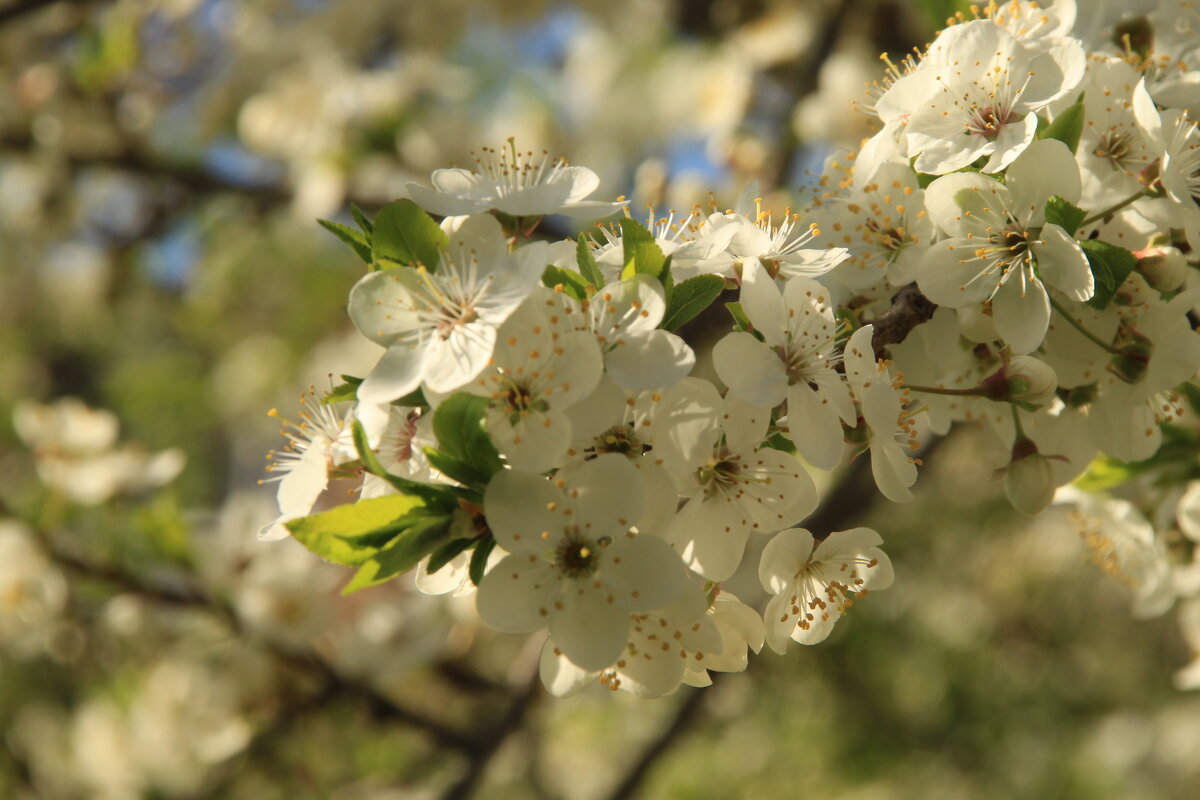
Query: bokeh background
161, 164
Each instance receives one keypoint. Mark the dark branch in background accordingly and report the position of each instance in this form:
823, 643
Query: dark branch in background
380, 705
909, 309
480, 753
14, 11
685, 715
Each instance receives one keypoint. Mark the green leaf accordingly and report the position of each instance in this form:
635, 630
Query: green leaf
1110, 266
1067, 126
404, 553
326, 533
357, 241
690, 298
572, 282
479, 559
404, 233
740, 320
667, 280
342, 393
414, 399
1064, 214
455, 468
361, 219
642, 254
461, 430
442, 498
443, 555
777, 441
587, 262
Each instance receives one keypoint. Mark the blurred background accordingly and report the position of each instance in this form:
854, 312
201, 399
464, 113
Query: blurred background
161, 164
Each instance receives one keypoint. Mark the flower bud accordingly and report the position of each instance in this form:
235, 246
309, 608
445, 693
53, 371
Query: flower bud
1024, 380
1030, 381
1029, 481
1164, 267
1133, 359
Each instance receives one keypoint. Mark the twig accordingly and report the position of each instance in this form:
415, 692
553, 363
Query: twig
381, 705
685, 715
16, 10
480, 753
909, 309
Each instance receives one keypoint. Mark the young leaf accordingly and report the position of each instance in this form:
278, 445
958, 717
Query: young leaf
342, 393
690, 298
357, 241
667, 280
587, 262
442, 498
362, 220
479, 559
460, 428
404, 552
325, 533
444, 554
455, 468
1110, 266
640, 250
1067, 126
404, 233
572, 282
1064, 214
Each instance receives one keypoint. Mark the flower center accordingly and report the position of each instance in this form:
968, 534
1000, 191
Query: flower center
1115, 147
577, 558
988, 122
721, 473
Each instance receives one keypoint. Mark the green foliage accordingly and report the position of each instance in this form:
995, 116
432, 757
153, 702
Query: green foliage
343, 392
405, 234
1067, 126
587, 262
349, 534
402, 554
690, 298
363, 222
443, 555
479, 559
572, 283
460, 425
356, 239
642, 254
442, 498
1110, 266
1064, 214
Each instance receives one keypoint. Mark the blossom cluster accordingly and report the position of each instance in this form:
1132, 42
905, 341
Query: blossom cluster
1011, 249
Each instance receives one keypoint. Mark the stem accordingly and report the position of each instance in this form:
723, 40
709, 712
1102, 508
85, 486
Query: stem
974, 391
1017, 422
1114, 209
1066, 314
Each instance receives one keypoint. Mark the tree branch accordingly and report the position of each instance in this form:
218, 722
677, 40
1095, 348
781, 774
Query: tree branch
686, 715
909, 309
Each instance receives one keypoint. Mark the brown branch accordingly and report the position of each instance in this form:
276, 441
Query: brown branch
16, 10
381, 705
909, 309
479, 755
686, 715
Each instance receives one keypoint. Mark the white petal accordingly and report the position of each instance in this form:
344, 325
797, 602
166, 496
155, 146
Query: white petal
815, 427
1062, 264
396, 374
558, 674
589, 631
520, 507
750, 369
381, 305
1021, 315
653, 361
1045, 168
536, 443
607, 494
783, 557
514, 597
763, 303
643, 572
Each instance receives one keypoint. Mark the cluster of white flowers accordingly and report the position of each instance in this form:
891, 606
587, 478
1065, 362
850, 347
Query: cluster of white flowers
1011, 249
